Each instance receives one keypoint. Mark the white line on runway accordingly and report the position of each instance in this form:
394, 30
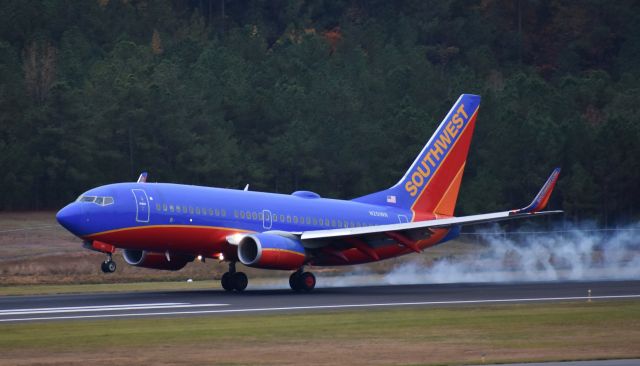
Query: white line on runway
94, 306
104, 308
327, 307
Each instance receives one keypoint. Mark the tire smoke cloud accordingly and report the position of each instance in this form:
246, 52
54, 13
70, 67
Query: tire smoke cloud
584, 253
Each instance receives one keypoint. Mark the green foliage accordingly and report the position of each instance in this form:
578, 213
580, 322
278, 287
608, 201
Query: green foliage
336, 97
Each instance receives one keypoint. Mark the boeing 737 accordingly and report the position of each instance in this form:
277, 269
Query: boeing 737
166, 226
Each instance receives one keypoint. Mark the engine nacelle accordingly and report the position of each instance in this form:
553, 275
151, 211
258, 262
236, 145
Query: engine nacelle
271, 251
143, 258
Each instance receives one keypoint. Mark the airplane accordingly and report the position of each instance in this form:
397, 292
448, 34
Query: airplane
165, 226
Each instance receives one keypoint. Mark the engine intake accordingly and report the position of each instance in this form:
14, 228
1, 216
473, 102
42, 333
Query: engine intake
271, 251
145, 259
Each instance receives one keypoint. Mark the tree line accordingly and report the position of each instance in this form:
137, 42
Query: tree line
337, 97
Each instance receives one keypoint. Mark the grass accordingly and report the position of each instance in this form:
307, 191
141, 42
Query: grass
499, 333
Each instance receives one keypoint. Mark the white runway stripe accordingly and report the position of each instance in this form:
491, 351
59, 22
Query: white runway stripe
103, 308
95, 306
325, 307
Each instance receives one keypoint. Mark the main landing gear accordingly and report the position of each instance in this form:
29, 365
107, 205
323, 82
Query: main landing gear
108, 266
302, 281
233, 280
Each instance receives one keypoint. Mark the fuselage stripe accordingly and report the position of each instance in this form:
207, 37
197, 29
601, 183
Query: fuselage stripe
235, 230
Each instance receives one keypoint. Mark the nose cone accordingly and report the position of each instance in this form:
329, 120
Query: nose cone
70, 217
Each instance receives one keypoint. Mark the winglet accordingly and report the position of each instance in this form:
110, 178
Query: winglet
142, 178
542, 198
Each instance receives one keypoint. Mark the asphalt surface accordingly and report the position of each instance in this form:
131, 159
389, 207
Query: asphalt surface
217, 302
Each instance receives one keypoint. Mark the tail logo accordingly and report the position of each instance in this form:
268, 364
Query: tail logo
436, 151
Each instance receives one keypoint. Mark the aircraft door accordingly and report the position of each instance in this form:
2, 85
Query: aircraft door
266, 219
142, 205
402, 218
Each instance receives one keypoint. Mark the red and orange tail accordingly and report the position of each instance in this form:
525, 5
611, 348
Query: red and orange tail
430, 187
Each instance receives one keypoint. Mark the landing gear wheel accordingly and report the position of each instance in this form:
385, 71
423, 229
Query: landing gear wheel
293, 281
302, 281
108, 266
240, 281
307, 281
227, 282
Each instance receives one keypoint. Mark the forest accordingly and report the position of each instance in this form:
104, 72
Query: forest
336, 97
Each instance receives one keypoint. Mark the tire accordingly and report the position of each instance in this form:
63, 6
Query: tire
226, 282
104, 268
294, 281
111, 266
307, 281
240, 281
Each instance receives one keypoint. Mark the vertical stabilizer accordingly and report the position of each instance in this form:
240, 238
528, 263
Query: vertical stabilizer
431, 185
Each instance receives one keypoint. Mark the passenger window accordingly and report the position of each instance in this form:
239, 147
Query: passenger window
275, 218
178, 210
254, 215
259, 215
217, 212
235, 213
295, 219
184, 209
289, 219
308, 220
339, 223
315, 221
333, 223
248, 215
171, 208
157, 207
164, 207
197, 210
210, 212
191, 210
224, 212
281, 218
242, 214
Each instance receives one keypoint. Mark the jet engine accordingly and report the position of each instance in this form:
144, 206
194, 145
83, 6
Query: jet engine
146, 259
271, 251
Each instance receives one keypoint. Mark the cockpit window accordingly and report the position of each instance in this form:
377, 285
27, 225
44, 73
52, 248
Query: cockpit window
86, 198
98, 200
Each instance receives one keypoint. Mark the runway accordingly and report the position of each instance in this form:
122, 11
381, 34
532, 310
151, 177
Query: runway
219, 303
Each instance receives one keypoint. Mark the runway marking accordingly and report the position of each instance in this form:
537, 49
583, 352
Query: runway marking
95, 306
103, 308
324, 307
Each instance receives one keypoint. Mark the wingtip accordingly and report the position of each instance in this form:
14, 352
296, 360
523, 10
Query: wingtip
542, 198
142, 178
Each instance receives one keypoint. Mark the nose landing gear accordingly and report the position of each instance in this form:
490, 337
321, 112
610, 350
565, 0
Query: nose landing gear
233, 280
108, 266
302, 281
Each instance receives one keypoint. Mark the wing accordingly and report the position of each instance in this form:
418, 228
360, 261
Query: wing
414, 236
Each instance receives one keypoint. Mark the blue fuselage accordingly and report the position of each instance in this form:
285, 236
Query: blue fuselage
157, 204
